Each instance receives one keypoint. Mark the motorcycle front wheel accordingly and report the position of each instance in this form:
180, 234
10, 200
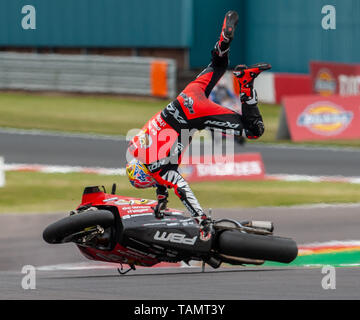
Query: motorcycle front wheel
62, 230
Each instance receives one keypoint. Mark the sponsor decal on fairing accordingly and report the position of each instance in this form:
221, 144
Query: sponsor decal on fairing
174, 238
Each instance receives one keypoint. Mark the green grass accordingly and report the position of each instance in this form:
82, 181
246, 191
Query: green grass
84, 114
107, 115
32, 192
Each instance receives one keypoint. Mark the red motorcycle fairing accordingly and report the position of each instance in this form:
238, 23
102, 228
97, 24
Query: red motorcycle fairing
119, 254
141, 238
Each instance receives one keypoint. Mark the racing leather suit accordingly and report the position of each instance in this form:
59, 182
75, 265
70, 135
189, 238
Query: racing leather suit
163, 140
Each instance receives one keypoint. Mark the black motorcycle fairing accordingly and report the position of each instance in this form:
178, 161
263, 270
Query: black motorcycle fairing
175, 237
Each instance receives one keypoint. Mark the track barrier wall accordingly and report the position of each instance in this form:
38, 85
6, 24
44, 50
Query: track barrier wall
88, 73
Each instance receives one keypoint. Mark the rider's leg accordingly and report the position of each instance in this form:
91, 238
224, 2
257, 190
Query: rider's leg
162, 198
210, 76
227, 32
171, 178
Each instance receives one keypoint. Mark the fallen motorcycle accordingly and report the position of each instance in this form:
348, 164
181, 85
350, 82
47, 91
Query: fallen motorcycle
124, 230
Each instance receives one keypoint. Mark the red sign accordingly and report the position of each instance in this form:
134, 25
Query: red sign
330, 78
318, 118
246, 166
289, 84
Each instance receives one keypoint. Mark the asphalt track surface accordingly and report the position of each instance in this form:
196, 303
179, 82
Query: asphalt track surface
109, 152
21, 244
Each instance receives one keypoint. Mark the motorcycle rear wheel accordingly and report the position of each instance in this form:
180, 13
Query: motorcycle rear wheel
61, 230
253, 246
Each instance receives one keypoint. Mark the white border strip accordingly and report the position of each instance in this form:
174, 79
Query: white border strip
63, 169
52, 133
331, 243
122, 172
2, 172
99, 265
295, 177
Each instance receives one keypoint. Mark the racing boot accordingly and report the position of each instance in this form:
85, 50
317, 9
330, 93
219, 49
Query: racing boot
252, 118
227, 33
246, 76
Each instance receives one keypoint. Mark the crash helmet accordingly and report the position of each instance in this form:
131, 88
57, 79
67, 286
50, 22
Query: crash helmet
139, 175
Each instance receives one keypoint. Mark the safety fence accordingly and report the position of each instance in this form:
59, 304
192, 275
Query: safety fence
88, 73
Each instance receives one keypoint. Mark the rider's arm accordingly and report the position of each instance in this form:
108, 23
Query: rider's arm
170, 178
251, 117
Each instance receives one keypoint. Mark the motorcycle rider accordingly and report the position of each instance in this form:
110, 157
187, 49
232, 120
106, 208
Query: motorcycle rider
158, 148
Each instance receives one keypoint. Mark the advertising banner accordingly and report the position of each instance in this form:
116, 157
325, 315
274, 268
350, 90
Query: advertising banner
329, 78
313, 117
245, 166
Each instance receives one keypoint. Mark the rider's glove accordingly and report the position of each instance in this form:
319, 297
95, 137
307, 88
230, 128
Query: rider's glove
200, 218
205, 227
161, 195
204, 223
160, 208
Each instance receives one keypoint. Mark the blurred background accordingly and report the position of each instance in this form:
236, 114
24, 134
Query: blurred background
155, 48
287, 33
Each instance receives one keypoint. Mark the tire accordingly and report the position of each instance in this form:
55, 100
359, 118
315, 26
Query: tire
253, 246
58, 231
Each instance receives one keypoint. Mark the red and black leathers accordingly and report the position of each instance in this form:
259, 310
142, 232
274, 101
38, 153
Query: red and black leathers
163, 140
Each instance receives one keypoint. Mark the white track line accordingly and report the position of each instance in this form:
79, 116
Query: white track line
332, 243
121, 171
305, 147
98, 265
297, 177
63, 169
